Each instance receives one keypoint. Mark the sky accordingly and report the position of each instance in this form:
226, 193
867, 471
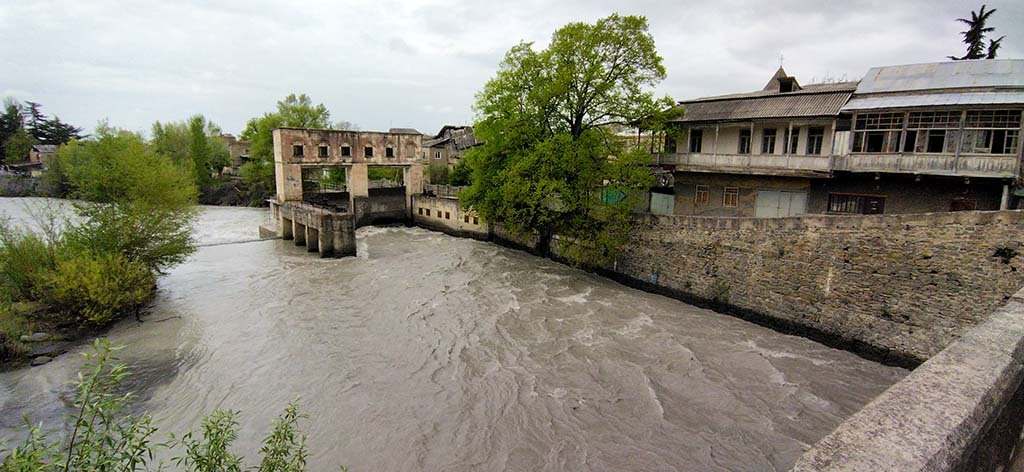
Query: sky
418, 64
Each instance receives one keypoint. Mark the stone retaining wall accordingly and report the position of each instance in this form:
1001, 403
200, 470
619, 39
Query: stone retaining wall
959, 411
25, 186
899, 287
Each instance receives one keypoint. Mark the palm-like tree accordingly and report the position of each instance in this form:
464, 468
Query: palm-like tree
974, 37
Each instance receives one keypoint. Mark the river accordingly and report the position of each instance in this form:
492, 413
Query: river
428, 352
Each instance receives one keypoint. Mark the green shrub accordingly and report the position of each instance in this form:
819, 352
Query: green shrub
23, 257
12, 327
96, 290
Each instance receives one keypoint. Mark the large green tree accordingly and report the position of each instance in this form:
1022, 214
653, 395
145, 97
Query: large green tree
294, 111
974, 36
195, 144
549, 164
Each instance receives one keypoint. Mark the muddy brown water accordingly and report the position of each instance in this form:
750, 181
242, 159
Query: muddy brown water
429, 352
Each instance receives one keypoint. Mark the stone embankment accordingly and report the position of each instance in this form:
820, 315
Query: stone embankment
25, 186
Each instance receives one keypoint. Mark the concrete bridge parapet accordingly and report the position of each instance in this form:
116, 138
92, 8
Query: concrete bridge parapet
331, 234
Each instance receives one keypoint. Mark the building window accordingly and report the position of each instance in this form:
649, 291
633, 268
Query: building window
420, 210
877, 132
323, 150
389, 152
992, 132
744, 143
856, 204
768, 141
732, 197
297, 150
368, 151
792, 140
696, 140
346, 151
447, 215
815, 136
440, 214
465, 218
702, 196
476, 220
428, 211
670, 144
932, 132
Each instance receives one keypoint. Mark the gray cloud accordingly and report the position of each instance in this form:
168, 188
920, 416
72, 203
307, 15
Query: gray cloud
419, 63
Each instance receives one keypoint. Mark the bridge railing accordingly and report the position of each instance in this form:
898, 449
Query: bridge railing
444, 191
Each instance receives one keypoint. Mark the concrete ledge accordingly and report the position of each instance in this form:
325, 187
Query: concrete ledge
960, 410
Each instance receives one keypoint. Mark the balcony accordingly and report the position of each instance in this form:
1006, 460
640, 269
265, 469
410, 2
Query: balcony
756, 164
973, 165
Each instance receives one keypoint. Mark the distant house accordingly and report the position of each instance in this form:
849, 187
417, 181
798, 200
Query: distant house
905, 139
449, 145
42, 153
237, 148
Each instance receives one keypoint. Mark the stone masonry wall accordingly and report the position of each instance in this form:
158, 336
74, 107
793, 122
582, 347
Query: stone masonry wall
899, 287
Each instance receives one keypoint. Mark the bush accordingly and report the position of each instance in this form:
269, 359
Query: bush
437, 174
96, 290
23, 257
12, 327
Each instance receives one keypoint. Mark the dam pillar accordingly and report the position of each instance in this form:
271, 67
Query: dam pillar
413, 177
312, 239
285, 228
299, 233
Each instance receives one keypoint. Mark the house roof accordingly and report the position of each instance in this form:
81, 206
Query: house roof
876, 102
809, 101
989, 73
45, 148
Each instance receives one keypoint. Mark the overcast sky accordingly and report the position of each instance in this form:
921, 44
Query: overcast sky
384, 63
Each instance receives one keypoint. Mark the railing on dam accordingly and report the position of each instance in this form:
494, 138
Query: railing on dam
443, 191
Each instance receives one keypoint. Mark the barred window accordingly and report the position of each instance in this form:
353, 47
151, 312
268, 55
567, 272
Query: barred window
346, 151
702, 196
323, 150
732, 197
856, 204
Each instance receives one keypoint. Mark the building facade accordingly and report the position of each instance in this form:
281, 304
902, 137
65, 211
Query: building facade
449, 145
906, 139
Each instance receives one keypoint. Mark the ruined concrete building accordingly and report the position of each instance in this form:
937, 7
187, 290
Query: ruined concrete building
450, 144
905, 139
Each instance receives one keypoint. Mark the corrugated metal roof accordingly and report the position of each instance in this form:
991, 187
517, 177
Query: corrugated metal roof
45, 148
935, 99
762, 106
804, 89
944, 75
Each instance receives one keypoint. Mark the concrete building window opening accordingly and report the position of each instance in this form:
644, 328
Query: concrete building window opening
368, 151
437, 154
768, 141
849, 203
428, 211
323, 151
476, 220
389, 152
992, 132
297, 150
346, 150
465, 218
744, 142
731, 198
932, 132
447, 215
792, 140
696, 140
420, 210
702, 196
877, 132
815, 136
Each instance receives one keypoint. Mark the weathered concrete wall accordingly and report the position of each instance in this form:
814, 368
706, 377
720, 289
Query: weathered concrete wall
899, 287
959, 411
382, 206
445, 215
908, 193
24, 186
329, 233
748, 185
